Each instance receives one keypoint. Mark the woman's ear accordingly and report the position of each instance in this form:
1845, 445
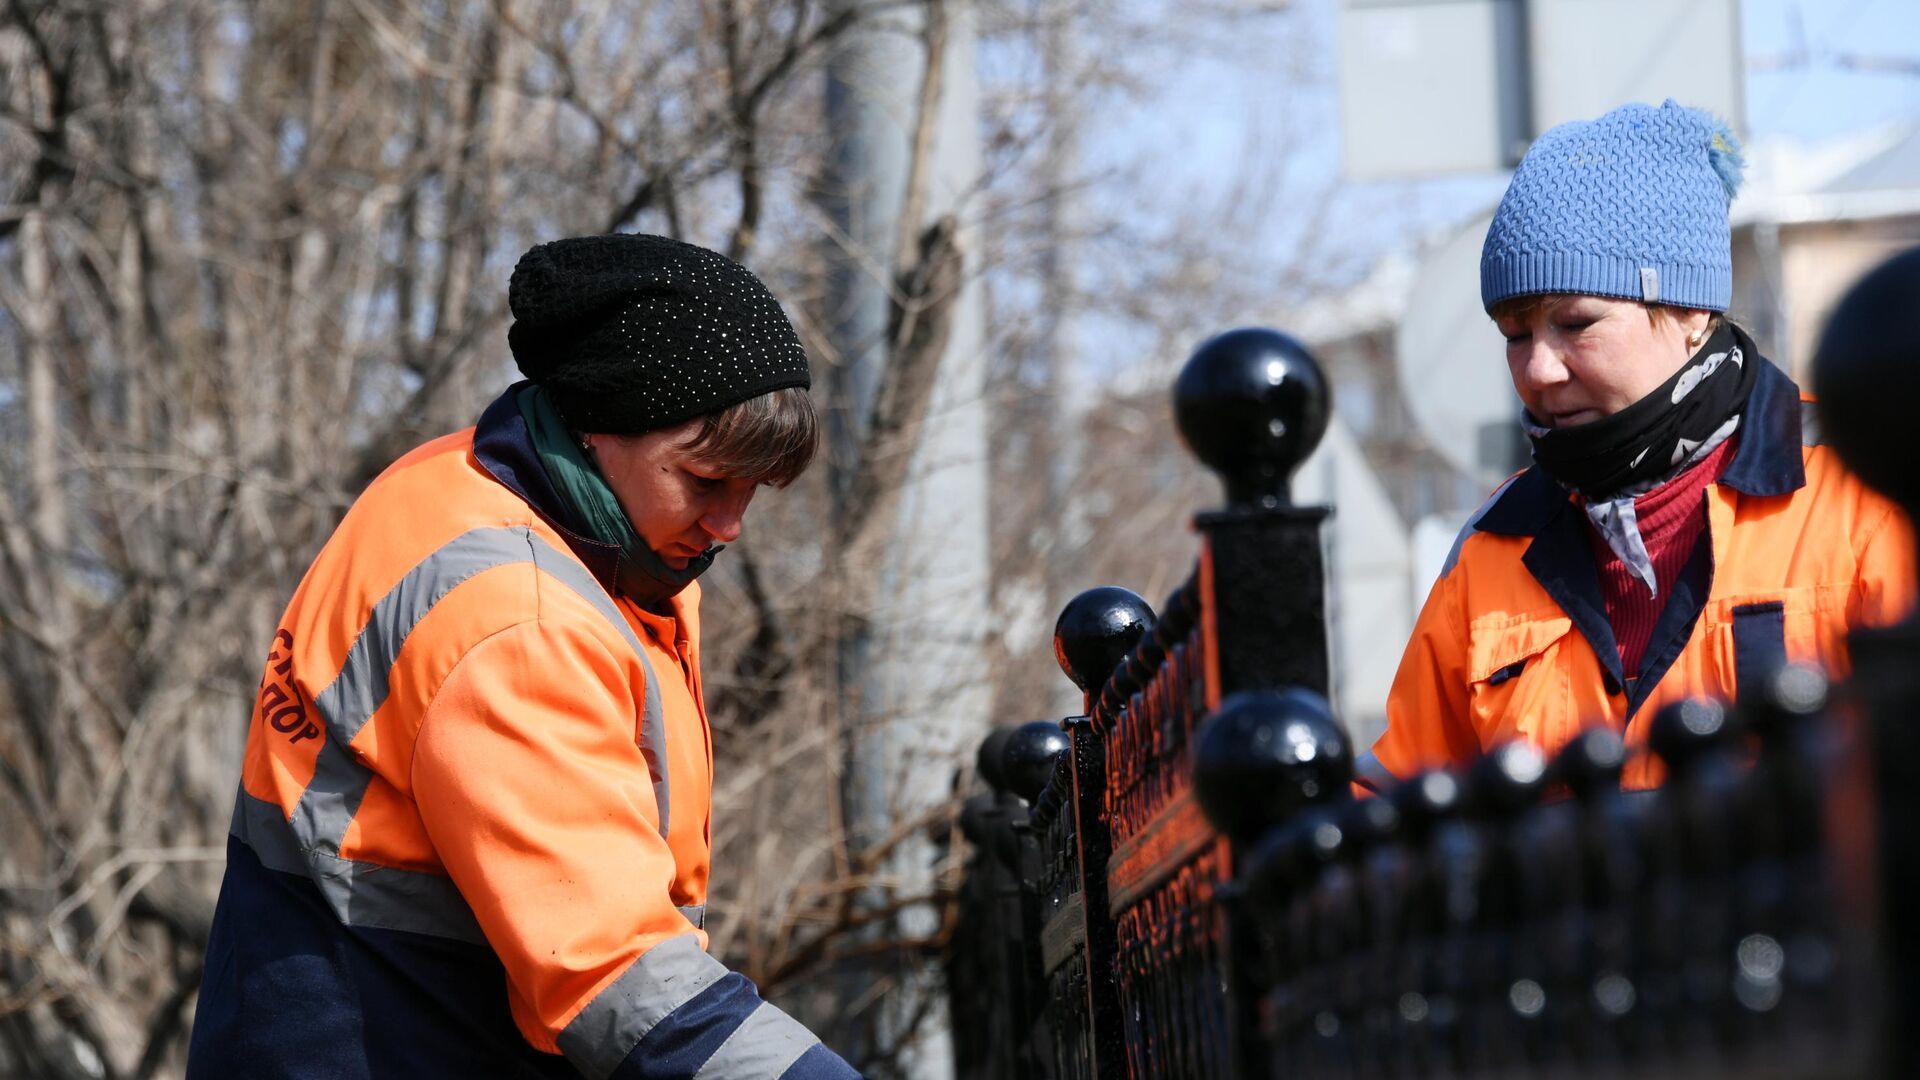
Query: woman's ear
1698, 325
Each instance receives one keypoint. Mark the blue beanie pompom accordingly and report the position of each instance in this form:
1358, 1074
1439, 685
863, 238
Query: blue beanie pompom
1724, 154
1632, 204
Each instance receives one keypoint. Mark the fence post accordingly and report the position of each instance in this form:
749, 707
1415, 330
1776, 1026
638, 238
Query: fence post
995, 960
1093, 636
1866, 375
987, 947
1252, 404
1261, 762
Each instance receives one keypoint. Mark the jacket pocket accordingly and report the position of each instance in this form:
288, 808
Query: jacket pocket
1751, 635
1519, 686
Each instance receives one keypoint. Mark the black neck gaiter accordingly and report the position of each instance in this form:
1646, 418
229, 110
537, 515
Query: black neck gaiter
1651, 437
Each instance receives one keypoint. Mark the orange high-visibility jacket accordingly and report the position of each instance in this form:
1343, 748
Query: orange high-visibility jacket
1514, 640
475, 801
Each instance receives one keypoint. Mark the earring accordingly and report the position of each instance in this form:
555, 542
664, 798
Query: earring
586, 444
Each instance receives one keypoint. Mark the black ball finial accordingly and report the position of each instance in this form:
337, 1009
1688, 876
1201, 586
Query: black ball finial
1289, 858
1426, 800
1789, 695
1507, 779
1685, 732
1252, 404
975, 816
1369, 823
1265, 754
1096, 631
988, 760
1590, 764
1866, 375
1027, 759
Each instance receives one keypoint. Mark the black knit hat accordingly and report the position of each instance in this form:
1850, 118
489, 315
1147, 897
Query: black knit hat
630, 333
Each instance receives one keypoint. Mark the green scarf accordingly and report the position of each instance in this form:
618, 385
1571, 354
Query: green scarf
641, 574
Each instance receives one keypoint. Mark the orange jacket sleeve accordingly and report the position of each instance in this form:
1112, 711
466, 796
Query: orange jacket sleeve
1429, 723
1886, 578
540, 805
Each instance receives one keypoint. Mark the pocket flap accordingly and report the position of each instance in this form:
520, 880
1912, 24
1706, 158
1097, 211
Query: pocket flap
1496, 650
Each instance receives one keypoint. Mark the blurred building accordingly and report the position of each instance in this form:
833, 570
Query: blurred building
1810, 223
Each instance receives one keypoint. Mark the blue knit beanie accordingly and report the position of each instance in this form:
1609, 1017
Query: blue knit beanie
1633, 204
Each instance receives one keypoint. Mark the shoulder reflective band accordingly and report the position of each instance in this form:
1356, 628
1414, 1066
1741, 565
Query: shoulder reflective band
327, 807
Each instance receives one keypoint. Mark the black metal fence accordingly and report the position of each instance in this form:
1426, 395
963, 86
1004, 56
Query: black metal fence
1180, 883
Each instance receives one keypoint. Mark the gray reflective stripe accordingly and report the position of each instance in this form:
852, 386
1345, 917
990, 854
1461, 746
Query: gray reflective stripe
665, 977
367, 894
360, 893
261, 826
762, 1046
1371, 774
332, 797
1810, 423
653, 727
1453, 554
696, 914
326, 808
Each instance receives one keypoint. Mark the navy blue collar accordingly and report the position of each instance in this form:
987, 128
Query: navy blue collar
1767, 461
504, 447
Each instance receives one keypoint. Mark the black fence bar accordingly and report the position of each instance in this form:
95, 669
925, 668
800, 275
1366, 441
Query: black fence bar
1181, 883
994, 960
1093, 636
1132, 945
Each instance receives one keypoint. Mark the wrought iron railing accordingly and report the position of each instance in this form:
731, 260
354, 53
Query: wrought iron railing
1180, 883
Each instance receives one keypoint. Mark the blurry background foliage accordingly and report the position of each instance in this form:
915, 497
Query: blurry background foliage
250, 252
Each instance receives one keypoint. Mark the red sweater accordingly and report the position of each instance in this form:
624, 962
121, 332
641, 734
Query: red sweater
1671, 517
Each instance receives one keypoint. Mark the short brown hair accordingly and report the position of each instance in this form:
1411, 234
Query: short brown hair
1520, 307
770, 439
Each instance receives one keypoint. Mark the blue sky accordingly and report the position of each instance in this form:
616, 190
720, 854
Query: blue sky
1263, 104
1818, 96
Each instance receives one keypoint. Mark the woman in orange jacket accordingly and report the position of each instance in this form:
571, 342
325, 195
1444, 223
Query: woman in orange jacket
1682, 531
472, 831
